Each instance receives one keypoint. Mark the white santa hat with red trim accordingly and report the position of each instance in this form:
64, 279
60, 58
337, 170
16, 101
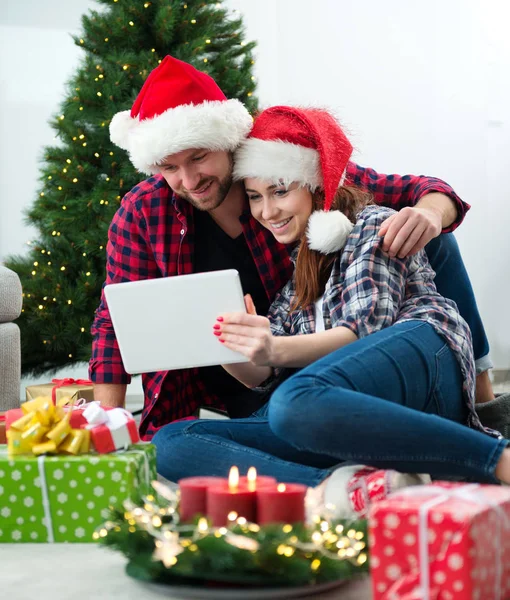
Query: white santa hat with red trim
178, 108
306, 146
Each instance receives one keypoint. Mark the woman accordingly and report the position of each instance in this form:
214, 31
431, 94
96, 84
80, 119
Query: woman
385, 370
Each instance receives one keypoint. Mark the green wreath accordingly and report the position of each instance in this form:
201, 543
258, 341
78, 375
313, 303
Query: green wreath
160, 549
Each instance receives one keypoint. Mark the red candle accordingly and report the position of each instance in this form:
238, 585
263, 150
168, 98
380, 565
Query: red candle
194, 495
228, 501
282, 503
253, 481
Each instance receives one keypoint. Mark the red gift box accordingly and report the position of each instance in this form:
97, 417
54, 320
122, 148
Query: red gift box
110, 430
445, 541
366, 486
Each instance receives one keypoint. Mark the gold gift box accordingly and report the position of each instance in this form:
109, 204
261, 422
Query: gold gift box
73, 391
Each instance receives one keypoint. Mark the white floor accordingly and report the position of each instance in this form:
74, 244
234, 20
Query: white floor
88, 572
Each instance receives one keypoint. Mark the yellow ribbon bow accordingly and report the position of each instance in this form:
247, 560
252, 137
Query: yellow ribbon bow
45, 428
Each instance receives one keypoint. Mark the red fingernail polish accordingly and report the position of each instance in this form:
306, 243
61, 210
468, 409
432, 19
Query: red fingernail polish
216, 326
222, 341
217, 332
220, 319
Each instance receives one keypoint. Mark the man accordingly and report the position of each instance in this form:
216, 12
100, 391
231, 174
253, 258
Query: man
190, 217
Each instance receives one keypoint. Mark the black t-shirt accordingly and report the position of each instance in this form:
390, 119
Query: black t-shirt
215, 250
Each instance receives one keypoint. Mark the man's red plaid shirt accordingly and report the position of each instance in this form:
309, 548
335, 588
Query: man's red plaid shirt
151, 236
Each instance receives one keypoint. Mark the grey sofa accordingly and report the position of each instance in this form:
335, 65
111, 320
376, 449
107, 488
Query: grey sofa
10, 348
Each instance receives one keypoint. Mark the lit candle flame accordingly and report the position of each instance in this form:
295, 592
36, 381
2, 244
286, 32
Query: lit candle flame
281, 487
252, 479
233, 479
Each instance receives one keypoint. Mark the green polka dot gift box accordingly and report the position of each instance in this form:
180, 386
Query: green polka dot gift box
65, 498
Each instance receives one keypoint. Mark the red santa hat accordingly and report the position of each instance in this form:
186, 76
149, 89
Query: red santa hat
178, 108
307, 146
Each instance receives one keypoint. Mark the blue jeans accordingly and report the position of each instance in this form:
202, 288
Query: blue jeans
452, 281
391, 400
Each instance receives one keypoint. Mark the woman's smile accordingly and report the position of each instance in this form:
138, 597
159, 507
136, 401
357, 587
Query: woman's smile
280, 226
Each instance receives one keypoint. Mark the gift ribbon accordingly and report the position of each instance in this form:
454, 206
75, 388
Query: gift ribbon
468, 493
146, 464
46, 499
114, 419
44, 496
58, 383
45, 428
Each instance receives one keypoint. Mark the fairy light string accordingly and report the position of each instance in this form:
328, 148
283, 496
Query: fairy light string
339, 543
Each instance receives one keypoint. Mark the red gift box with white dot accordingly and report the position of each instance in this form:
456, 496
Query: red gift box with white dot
444, 541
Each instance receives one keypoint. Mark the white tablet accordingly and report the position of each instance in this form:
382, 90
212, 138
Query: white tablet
164, 324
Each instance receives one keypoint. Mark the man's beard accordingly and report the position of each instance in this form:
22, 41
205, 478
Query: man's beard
216, 198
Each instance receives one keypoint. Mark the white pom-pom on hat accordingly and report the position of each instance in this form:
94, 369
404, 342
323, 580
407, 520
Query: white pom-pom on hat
121, 127
327, 231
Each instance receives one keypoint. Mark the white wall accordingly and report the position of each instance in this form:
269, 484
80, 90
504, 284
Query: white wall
422, 87
37, 56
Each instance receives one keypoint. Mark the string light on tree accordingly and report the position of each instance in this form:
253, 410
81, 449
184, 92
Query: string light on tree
69, 202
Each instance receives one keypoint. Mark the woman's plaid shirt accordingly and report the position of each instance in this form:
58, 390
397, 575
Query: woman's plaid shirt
368, 291
151, 236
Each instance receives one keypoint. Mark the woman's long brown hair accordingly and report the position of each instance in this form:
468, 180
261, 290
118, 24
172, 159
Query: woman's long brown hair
312, 267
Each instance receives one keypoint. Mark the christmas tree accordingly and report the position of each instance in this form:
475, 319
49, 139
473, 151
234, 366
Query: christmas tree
85, 176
